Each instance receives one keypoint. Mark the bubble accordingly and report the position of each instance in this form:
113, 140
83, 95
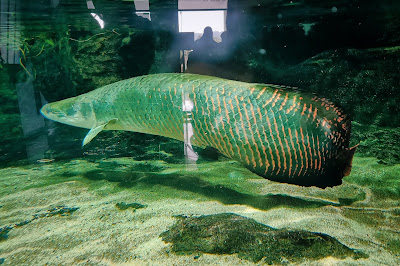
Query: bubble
262, 51
280, 15
334, 9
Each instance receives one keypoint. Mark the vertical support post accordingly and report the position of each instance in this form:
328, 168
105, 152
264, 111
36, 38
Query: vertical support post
190, 155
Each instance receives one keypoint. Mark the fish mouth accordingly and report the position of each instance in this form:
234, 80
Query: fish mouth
50, 113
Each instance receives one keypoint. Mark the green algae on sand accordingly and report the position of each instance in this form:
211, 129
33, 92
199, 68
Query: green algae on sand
228, 233
122, 206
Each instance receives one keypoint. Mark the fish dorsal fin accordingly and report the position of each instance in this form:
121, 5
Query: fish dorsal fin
96, 130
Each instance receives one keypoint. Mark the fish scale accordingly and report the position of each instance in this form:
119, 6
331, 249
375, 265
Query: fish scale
275, 131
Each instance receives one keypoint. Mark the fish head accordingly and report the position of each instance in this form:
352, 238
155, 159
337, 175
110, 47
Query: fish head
77, 111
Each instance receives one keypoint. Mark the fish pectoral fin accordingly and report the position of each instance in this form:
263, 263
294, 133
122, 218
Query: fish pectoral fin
92, 133
96, 130
112, 121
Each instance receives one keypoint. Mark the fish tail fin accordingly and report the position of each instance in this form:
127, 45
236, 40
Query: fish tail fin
349, 160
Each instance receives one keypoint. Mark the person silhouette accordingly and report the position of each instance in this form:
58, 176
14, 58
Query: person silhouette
1, 58
205, 48
224, 48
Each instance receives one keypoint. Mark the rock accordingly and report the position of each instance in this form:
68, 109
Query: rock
378, 142
228, 233
363, 82
122, 206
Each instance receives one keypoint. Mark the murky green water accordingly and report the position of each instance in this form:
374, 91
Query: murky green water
120, 199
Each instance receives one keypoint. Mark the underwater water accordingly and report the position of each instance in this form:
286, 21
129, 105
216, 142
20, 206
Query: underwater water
130, 198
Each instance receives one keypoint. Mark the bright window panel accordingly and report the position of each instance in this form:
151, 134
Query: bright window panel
196, 21
202, 4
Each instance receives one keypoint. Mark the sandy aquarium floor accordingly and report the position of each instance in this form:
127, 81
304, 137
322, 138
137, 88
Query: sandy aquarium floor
113, 211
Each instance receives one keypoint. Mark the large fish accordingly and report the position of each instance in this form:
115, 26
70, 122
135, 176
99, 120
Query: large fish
275, 131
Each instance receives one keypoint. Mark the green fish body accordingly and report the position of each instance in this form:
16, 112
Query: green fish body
278, 133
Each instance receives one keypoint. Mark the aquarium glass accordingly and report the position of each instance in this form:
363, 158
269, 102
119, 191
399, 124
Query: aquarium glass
199, 131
